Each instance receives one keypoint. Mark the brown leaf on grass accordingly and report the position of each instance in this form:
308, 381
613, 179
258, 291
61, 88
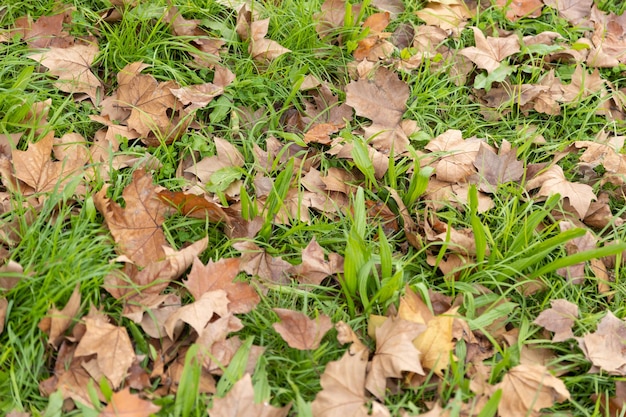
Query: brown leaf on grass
517, 9
332, 16
375, 46
526, 389
112, 347
36, 168
180, 25
456, 155
382, 100
255, 261
44, 32
574, 11
606, 347
227, 155
199, 96
435, 343
260, 48
239, 402
136, 228
314, 268
495, 169
605, 151
123, 403
73, 67
299, 331
553, 181
394, 7
192, 205
320, 133
576, 273
451, 15
343, 388
57, 322
559, 319
395, 354
345, 334
489, 52
198, 313
220, 275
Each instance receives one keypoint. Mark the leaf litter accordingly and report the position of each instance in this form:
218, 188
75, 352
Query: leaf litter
364, 126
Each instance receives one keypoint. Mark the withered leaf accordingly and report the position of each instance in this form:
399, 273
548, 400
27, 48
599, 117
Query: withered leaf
239, 402
395, 353
521, 8
136, 227
574, 11
314, 268
435, 343
494, 169
255, 261
199, 96
73, 67
123, 403
605, 348
4, 305
57, 322
526, 389
199, 313
220, 275
489, 52
299, 331
111, 344
559, 319
193, 205
447, 15
576, 273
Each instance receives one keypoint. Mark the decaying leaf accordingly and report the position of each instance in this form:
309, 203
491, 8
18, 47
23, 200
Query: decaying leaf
606, 347
123, 403
199, 313
526, 389
559, 319
299, 331
57, 322
239, 402
489, 52
314, 268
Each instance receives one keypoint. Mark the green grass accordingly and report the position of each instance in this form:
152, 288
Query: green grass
62, 242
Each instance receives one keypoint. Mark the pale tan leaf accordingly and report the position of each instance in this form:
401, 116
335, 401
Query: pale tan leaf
239, 402
123, 403
559, 319
200, 312
299, 331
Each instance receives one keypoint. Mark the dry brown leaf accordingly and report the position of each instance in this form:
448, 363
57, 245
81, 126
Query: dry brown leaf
559, 319
516, 9
37, 169
345, 334
44, 32
489, 52
394, 7
605, 347
239, 402
450, 16
260, 48
123, 403
332, 16
111, 344
73, 67
220, 275
57, 322
526, 389
435, 343
198, 313
255, 261
576, 273
4, 305
495, 169
136, 228
456, 156
299, 331
314, 268
553, 181
193, 205
395, 354
343, 388
199, 96
575, 11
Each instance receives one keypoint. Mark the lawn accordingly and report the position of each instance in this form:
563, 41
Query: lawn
312, 208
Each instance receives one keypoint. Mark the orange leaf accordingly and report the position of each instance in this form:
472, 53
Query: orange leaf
123, 403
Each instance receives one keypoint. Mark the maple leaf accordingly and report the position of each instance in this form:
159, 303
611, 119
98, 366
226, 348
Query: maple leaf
239, 402
490, 51
605, 348
526, 389
123, 403
136, 227
495, 169
576, 273
553, 181
332, 16
193, 205
343, 388
219, 276
449, 15
111, 345
395, 353
199, 96
559, 319
382, 100
517, 9
456, 162
574, 11
260, 48
73, 67
435, 343
314, 268
37, 169
57, 322
255, 261
394, 7
299, 331
44, 32
227, 156
199, 313
605, 151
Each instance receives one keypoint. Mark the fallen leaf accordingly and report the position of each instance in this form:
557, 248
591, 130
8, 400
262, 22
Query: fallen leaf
576, 273
456, 156
435, 343
4, 305
193, 205
489, 52
495, 169
553, 181
112, 347
394, 7
255, 261
220, 275
516, 9
123, 403
43, 32
73, 67
199, 313
395, 353
199, 96
239, 402
136, 227
299, 331
449, 15
526, 389
57, 322
314, 268
574, 11
559, 319
605, 347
